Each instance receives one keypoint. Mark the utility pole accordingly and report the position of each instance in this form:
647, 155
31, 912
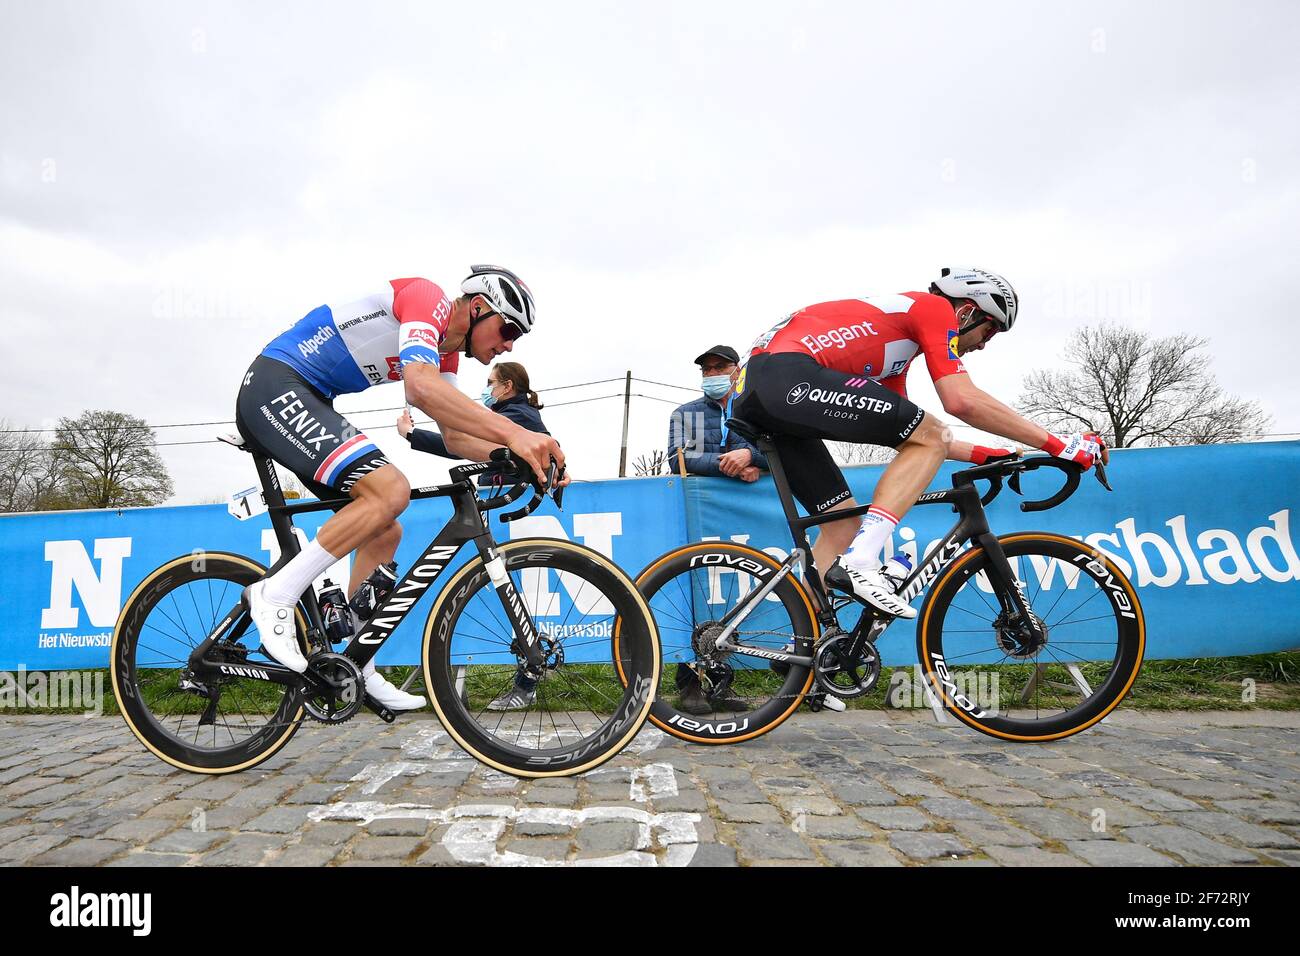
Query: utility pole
627, 406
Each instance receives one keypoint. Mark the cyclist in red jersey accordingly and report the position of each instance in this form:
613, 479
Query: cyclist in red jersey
838, 371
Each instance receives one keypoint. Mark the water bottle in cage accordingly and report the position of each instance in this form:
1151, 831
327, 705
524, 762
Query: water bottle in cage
374, 590
334, 613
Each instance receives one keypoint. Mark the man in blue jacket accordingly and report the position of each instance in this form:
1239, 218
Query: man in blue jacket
696, 427
696, 430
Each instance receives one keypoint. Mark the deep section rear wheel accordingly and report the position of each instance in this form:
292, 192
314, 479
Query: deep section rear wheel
1008, 688
601, 651
218, 725
712, 697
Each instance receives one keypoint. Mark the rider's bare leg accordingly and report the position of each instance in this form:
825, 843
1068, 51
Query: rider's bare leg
377, 500
373, 553
913, 469
834, 537
904, 479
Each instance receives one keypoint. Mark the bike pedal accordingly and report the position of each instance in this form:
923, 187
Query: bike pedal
386, 715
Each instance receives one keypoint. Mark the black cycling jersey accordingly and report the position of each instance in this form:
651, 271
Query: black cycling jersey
802, 402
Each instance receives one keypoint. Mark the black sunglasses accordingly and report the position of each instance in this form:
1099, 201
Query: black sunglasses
509, 331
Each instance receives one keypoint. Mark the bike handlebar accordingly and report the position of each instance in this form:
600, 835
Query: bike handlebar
1011, 468
521, 470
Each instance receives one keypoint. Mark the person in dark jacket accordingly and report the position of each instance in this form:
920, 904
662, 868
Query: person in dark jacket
507, 393
696, 427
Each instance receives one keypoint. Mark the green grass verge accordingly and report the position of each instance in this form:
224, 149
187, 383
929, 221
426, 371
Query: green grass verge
1259, 682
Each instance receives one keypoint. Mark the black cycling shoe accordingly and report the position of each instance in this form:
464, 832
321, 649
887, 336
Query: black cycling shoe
693, 701
696, 702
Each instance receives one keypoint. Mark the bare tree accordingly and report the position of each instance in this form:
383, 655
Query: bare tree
852, 453
105, 459
24, 461
652, 464
1134, 389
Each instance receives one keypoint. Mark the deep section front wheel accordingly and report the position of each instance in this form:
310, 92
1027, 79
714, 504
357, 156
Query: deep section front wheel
594, 629
218, 724
711, 696
990, 677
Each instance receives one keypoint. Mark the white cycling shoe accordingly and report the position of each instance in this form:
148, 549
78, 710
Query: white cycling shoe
382, 692
876, 588
276, 627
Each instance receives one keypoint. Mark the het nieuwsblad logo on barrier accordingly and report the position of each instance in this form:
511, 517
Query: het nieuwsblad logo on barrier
88, 581
76, 909
90, 575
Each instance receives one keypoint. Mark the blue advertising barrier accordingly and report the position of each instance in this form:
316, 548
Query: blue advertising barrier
1206, 533
68, 573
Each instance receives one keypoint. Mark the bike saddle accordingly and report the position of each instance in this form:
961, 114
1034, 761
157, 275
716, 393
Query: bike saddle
747, 430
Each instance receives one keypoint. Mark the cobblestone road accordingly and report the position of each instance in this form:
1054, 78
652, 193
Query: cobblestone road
824, 789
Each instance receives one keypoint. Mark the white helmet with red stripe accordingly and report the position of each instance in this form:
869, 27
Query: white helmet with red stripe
991, 293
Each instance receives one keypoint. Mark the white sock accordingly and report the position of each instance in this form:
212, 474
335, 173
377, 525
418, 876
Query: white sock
286, 585
865, 551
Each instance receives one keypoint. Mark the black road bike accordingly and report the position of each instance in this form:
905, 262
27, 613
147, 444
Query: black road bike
1029, 636
198, 690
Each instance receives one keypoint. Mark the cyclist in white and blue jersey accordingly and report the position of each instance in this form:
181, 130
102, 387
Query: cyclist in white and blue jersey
413, 333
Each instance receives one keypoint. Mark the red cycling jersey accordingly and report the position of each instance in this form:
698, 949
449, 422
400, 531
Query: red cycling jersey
876, 337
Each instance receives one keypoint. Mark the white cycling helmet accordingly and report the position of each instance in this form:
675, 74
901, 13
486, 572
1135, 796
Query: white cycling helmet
507, 293
991, 293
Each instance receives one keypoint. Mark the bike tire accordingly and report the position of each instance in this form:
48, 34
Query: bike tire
141, 636
1097, 661
467, 642
685, 576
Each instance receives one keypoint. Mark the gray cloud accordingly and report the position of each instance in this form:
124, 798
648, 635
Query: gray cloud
178, 182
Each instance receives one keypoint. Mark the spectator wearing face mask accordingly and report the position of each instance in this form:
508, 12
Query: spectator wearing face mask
506, 393
695, 429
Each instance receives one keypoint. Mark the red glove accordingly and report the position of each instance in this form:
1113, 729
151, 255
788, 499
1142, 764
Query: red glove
1082, 449
980, 455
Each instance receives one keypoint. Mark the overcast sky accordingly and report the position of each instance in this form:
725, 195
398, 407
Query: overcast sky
179, 182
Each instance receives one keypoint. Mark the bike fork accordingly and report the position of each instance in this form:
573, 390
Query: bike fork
526, 645
1006, 586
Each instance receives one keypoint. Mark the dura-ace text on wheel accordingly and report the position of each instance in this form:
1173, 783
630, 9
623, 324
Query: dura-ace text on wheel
1020, 683
592, 625
228, 720
712, 694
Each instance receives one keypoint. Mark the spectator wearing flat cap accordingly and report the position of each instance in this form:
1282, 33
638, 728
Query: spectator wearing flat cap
695, 428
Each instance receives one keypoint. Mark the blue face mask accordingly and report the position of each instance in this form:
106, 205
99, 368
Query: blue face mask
716, 386
487, 398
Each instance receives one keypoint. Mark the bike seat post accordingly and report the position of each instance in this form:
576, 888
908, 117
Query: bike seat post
271, 490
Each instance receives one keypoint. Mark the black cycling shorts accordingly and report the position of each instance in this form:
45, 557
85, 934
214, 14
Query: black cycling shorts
802, 402
282, 416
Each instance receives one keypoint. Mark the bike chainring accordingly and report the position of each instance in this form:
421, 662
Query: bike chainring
845, 678
335, 690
